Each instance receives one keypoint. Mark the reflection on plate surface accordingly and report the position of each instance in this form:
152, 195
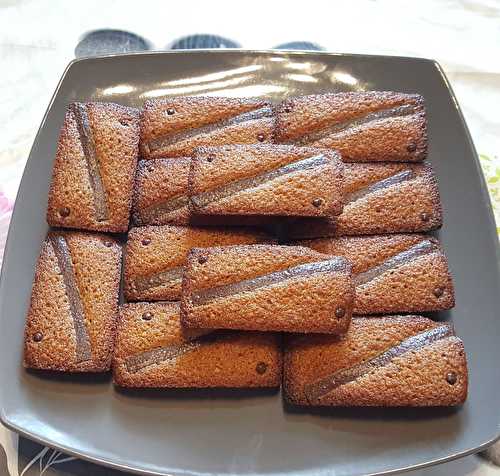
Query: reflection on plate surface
240, 81
191, 435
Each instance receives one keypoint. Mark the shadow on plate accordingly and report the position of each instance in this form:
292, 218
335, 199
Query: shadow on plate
265, 223
373, 413
196, 393
440, 316
87, 378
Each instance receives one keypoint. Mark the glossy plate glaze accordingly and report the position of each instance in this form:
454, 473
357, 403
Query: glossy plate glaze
219, 433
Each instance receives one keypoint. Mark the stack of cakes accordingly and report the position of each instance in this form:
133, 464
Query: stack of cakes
270, 244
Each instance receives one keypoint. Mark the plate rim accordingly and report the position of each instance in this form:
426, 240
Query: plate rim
134, 470
4, 418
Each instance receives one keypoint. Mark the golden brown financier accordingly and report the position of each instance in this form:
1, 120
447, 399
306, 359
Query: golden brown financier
93, 175
380, 361
267, 288
71, 321
154, 350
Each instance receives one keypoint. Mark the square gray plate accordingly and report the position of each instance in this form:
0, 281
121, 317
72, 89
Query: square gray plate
168, 432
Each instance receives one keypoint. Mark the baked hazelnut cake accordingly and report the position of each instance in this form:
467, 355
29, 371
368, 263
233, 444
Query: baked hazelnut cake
93, 175
267, 288
161, 192
250, 219
71, 321
378, 198
367, 126
155, 256
380, 361
266, 180
154, 350
174, 127
394, 273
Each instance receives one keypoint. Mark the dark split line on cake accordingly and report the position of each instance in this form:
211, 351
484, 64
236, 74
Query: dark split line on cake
416, 251
404, 176
171, 138
203, 199
140, 361
170, 276
157, 210
65, 263
91, 159
342, 127
205, 296
315, 391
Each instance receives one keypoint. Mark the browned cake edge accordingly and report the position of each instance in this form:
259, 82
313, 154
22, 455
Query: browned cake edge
419, 151
94, 365
99, 227
296, 398
270, 374
339, 326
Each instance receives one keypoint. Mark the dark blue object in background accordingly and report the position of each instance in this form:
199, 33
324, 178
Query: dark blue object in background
105, 42
299, 45
193, 42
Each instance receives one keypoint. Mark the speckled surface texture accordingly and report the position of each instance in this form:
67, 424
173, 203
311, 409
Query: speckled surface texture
266, 180
371, 126
174, 127
37, 40
161, 192
75, 199
197, 359
51, 337
153, 250
318, 298
379, 198
432, 374
394, 273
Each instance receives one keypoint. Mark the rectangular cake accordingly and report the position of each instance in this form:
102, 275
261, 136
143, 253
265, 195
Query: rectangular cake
93, 175
161, 192
161, 197
154, 350
155, 256
380, 361
266, 180
394, 273
71, 320
173, 127
267, 288
370, 126
379, 198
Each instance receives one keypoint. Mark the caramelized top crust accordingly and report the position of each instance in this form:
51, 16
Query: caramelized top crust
364, 252
379, 198
394, 273
154, 350
320, 110
387, 361
161, 198
400, 194
367, 337
161, 192
262, 287
74, 303
218, 266
266, 180
173, 127
362, 126
155, 256
146, 326
93, 175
